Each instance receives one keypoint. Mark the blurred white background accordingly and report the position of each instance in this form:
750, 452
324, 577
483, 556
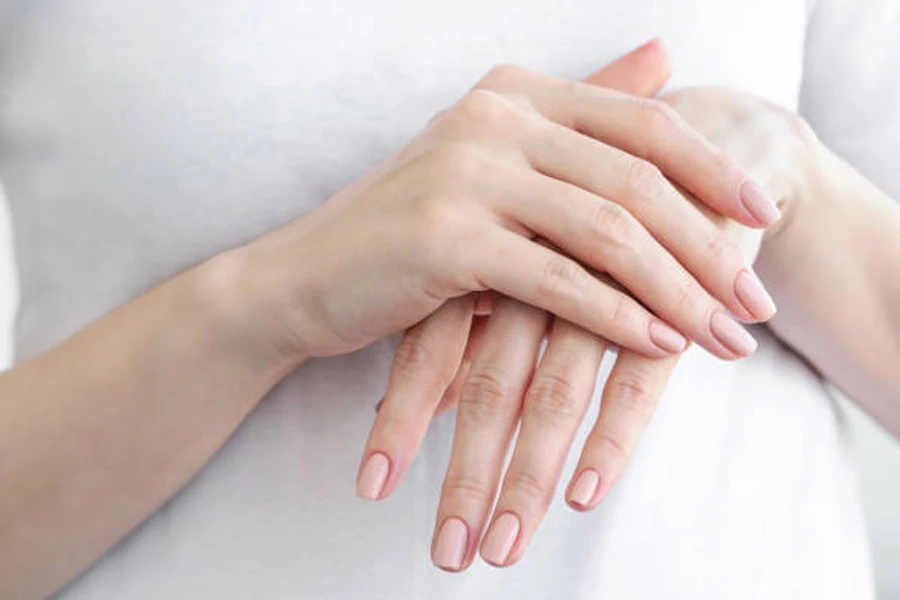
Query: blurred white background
878, 455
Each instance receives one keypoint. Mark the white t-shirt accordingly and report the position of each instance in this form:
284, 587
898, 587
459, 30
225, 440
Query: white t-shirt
138, 138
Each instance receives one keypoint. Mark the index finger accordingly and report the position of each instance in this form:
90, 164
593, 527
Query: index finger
645, 128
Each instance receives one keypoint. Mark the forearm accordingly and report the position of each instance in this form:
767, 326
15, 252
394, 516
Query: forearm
100, 431
834, 268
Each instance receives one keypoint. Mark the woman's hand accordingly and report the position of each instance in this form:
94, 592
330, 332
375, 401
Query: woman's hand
498, 386
457, 211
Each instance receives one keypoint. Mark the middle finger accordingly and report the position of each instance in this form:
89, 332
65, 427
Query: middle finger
554, 407
486, 417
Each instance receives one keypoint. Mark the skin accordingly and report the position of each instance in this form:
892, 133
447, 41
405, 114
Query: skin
500, 385
101, 430
113, 421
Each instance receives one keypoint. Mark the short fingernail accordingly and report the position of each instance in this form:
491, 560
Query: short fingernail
378, 406
667, 338
500, 539
753, 295
758, 204
584, 489
450, 546
373, 476
731, 335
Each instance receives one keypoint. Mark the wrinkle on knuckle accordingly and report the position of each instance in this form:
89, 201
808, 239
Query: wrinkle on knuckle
658, 117
620, 312
484, 396
413, 353
465, 487
721, 250
615, 227
689, 297
529, 487
561, 278
552, 397
615, 450
634, 390
645, 183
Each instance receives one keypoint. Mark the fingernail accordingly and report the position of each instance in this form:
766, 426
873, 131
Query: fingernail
753, 295
584, 489
731, 335
373, 477
758, 204
450, 546
378, 406
499, 540
667, 338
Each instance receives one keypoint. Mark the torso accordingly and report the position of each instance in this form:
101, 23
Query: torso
139, 138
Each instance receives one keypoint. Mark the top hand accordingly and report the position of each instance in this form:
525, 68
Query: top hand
458, 209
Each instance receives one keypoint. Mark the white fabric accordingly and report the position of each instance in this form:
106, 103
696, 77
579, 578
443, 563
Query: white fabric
140, 137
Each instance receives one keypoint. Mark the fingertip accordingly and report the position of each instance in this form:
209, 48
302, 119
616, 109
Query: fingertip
583, 490
760, 210
371, 483
732, 337
657, 47
666, 338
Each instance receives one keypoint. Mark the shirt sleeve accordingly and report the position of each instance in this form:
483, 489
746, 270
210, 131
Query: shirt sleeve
851, 84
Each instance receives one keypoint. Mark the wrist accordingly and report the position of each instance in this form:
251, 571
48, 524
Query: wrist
803, 192
232, 308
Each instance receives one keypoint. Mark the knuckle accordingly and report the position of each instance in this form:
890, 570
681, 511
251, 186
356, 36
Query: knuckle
482, 108
552, 397
615, 226
633, 389
689, 297
463, 487
658, 117
644, 181
621, 309
615, 449
393, 426
528, 486
720, 250
502, 75
483, 396
413, 353
561, 277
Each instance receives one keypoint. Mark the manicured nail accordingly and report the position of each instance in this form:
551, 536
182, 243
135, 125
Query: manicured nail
500, 539
753, 295
373, 477
667, 338
584, 489
731, 335
450, 546
758, 204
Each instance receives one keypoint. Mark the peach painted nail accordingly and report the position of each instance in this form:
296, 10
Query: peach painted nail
373, 476
753, 296
731, 335
450, 546
667, 338
500, 539
758, 204
584, 489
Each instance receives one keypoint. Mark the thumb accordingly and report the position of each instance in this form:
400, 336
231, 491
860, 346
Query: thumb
641, 72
